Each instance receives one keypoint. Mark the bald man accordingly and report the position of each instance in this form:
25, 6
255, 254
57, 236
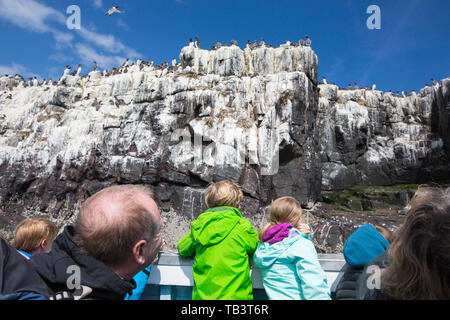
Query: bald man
116, 235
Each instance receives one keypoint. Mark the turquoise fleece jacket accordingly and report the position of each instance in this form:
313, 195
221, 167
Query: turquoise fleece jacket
291, 270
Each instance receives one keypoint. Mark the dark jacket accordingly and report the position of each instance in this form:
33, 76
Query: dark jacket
365, 244
347, 286
58, 267
18, 280
363, 291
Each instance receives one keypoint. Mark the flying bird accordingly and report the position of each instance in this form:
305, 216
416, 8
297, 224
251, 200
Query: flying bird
112, 10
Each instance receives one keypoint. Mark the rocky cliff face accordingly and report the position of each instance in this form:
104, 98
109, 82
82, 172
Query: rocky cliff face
256, 116
369, 137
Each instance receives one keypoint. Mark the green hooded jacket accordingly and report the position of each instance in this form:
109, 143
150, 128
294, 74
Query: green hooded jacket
222, 241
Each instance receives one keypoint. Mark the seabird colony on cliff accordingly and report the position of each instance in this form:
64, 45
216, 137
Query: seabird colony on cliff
33, 81
255, 44
141, 63
398, 94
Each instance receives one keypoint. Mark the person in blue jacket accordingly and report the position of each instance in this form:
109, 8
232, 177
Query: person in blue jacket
141, 279
363, 245
287, 257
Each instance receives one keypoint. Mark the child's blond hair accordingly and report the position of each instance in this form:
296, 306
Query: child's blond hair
284, 209
223, 193
31, 232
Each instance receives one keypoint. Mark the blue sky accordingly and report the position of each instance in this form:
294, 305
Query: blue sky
411, 47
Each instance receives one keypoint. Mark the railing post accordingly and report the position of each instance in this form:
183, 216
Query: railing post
165, 292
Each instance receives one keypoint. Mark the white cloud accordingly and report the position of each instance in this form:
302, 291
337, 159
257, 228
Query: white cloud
60, 57
121, 24
37, 17
108, 42
16, 68
97, 3
88, 55
62, 38
30, 14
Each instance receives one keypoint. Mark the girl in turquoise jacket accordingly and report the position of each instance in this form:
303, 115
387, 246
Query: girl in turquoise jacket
287, 257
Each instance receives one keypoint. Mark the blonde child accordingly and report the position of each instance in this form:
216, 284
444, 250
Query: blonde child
34, 235
287, 257
221, 241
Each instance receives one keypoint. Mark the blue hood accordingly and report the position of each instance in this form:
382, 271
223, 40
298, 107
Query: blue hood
364, 245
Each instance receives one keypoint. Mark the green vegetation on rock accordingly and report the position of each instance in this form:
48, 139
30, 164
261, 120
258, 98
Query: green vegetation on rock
363, 198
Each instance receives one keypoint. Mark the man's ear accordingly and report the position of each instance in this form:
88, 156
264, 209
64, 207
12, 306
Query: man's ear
139, 251
43, 243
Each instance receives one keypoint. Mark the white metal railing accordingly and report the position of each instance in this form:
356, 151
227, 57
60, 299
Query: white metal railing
173, 271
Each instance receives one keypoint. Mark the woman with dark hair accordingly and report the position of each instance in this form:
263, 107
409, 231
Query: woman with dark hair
419, 256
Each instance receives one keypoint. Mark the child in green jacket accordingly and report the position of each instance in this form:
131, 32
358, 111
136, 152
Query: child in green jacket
222, 241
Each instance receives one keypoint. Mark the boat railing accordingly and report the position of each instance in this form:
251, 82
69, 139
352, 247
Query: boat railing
172, 279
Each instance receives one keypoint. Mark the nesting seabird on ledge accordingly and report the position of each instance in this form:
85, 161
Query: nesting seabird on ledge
65, 74
66, 70
78, 72
308, 41
125, 63
197, 42
74, 72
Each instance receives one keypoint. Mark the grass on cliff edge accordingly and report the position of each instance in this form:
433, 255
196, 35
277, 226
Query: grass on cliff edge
363, 198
